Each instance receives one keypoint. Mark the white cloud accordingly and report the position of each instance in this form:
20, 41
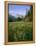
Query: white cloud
11, 12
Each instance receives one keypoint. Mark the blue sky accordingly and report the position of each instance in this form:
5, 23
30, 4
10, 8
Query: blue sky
18, 9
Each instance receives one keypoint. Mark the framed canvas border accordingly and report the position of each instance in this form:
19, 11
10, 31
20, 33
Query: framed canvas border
6, 22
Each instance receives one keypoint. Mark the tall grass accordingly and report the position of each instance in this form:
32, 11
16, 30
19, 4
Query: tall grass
19, 31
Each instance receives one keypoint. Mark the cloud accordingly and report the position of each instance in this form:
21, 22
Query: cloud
18, 10
11, 12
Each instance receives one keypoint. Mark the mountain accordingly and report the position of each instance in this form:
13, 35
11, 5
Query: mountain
11, 18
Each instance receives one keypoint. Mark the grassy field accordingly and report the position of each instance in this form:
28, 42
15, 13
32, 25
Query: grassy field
19, 31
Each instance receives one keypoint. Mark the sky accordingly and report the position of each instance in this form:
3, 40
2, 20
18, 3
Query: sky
18, 10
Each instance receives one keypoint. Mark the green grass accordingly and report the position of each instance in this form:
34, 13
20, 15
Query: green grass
19, 31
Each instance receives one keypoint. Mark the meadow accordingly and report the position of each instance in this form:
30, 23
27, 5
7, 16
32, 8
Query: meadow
20, 31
